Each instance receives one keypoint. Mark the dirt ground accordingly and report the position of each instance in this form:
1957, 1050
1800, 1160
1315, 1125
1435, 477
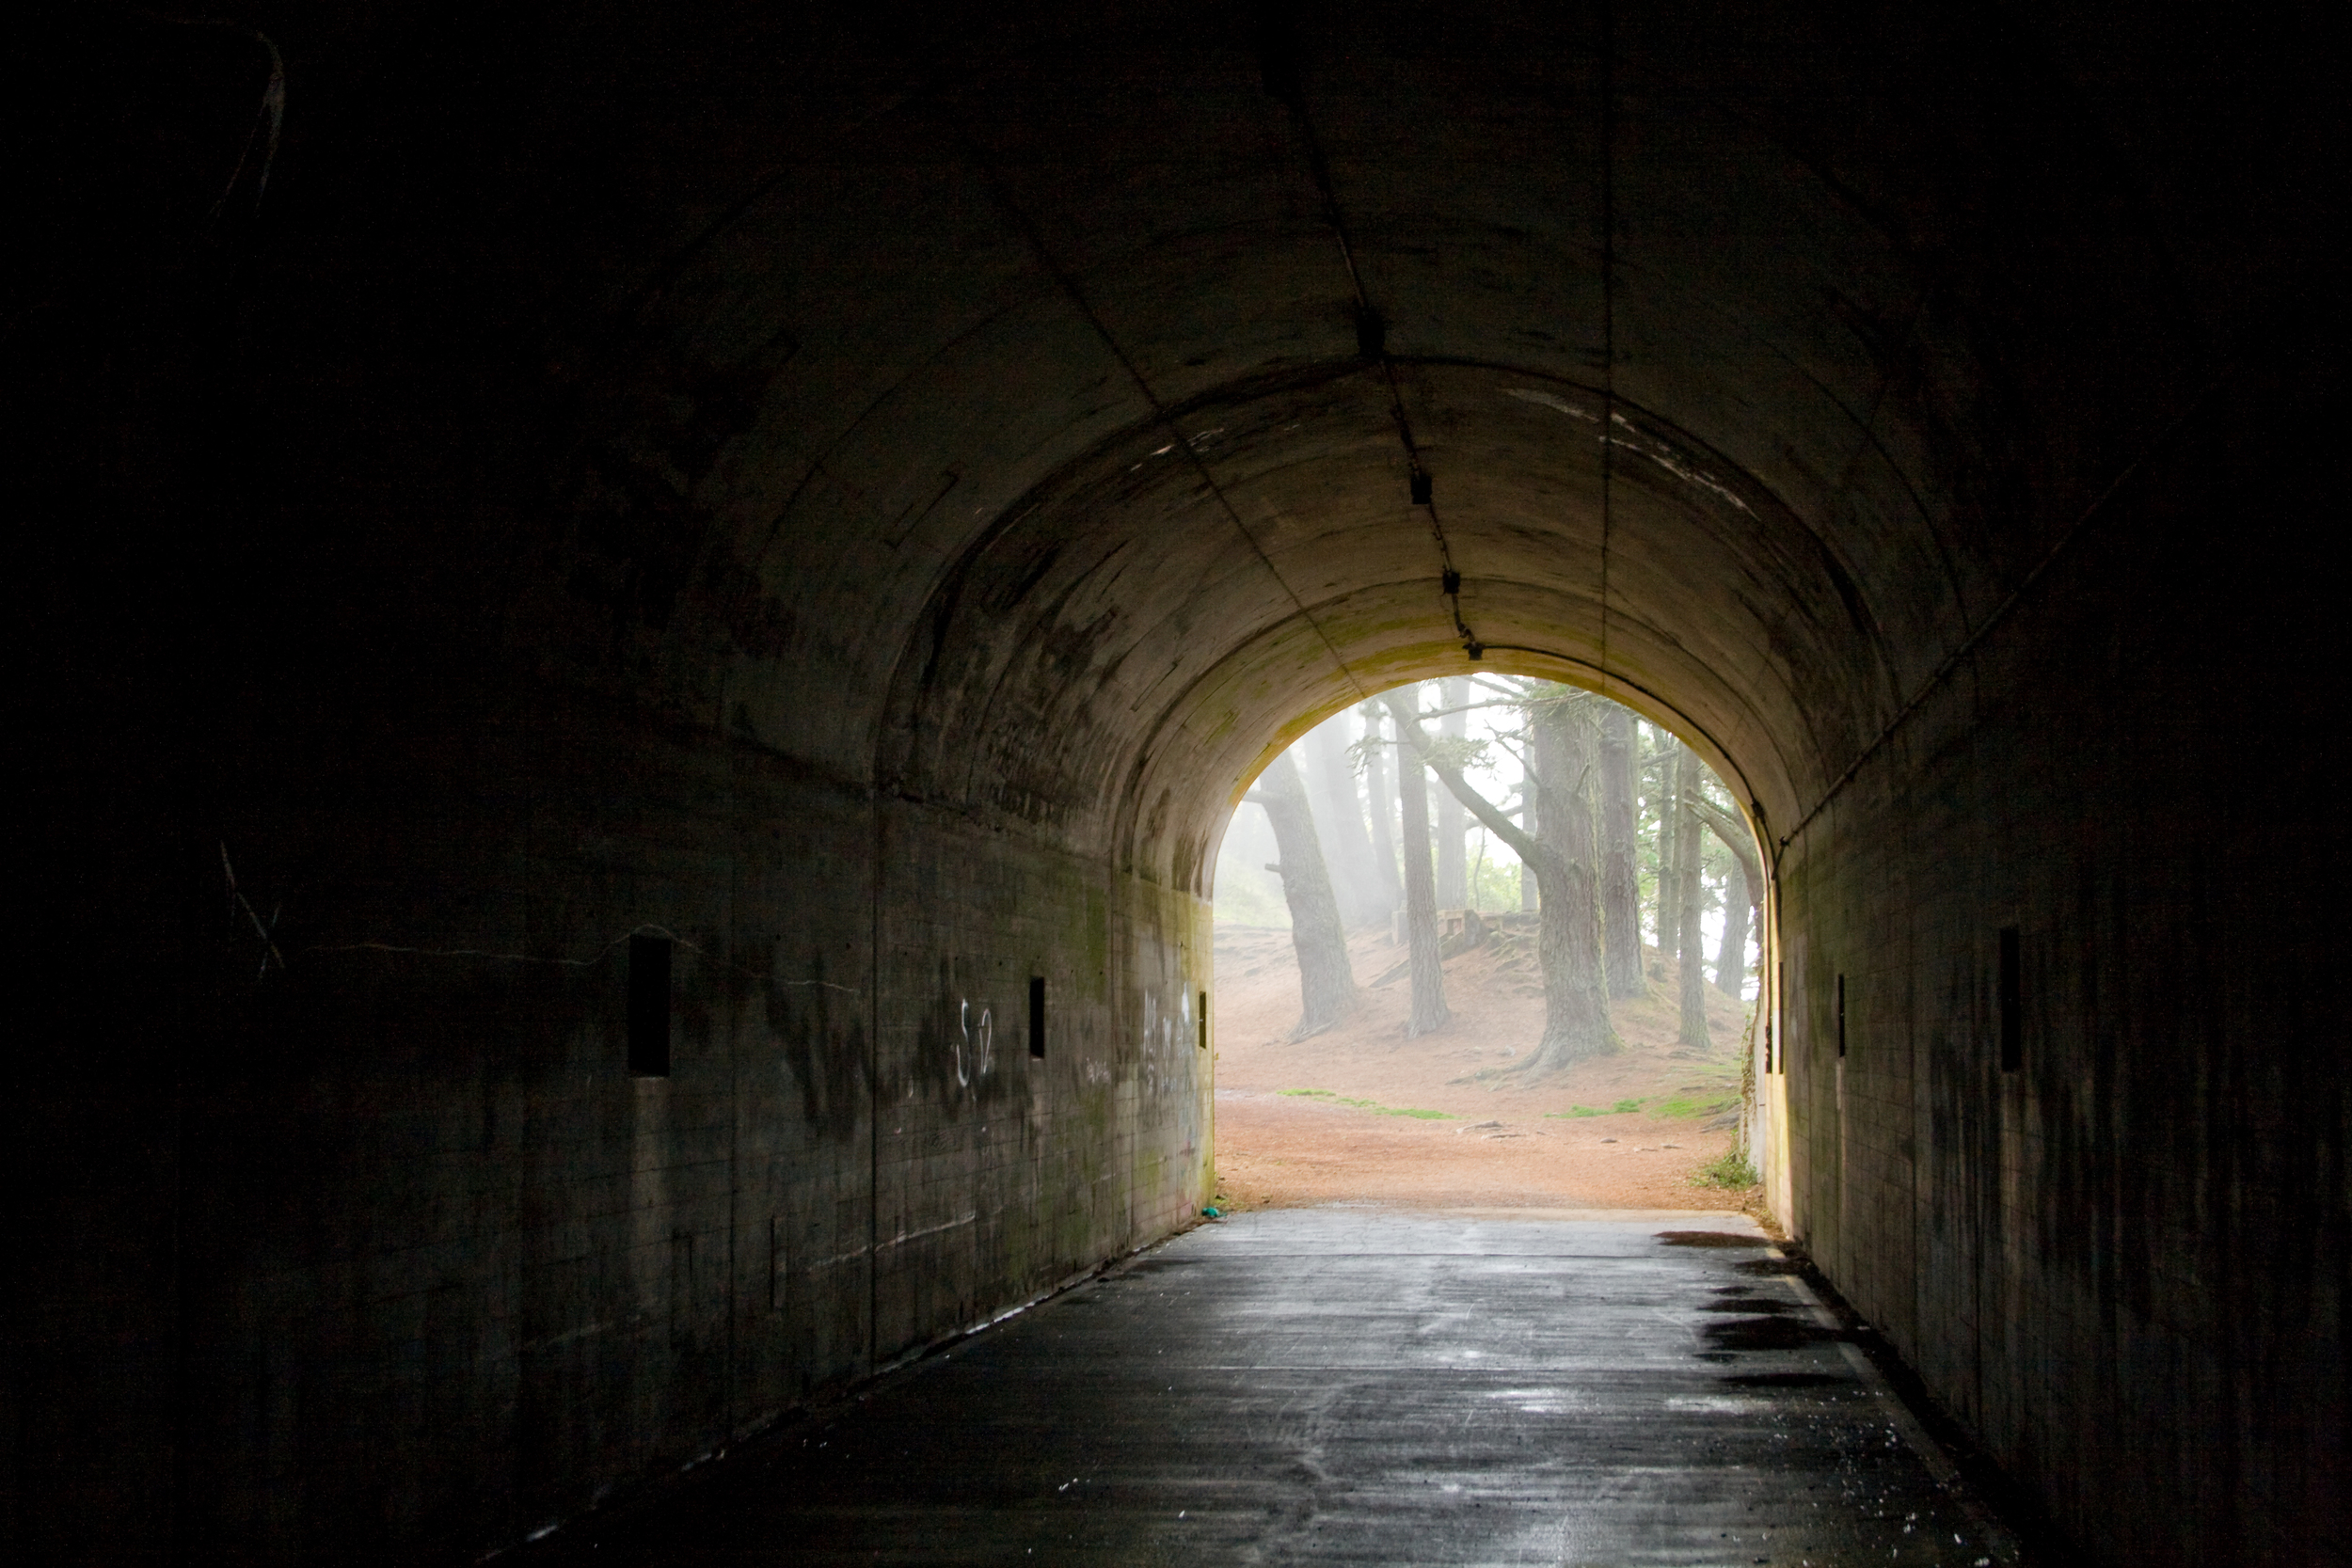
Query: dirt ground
1489, 1144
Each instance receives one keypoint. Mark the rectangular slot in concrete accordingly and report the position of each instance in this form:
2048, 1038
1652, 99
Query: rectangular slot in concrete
2013, 1021
649, 1006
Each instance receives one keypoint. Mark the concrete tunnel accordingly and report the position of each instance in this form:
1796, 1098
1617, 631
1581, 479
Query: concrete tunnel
843, 502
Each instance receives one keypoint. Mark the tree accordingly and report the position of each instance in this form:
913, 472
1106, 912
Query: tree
1742, 901
1527, 825
1566, 861
1620, 857
1327, 986
1731, 955
1659, 775
1421, 892
1377, 797
1690, 946
1340, 826
1452, 876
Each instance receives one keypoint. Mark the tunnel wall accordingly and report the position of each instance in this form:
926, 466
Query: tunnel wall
433, 1270
2121, 1265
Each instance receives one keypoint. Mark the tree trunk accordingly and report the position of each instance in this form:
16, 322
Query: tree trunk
1731, 958
1452, 878
1326, 987
1690, 949
1527, 826
1733, 831
1571, 940
1377, 797
1567, 864
1668, 755
1339, 825
1421, 889
1620, 852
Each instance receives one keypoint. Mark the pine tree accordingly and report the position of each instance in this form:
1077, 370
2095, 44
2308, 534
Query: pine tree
1742, 901
1327, 986
1620, 856
1731, 956
1690, 944
1665, 753
1452, 878
1527, 825
1377, 798
1339, 825
1420, 891
1566, 862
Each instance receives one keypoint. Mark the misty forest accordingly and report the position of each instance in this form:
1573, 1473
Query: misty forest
1486, 885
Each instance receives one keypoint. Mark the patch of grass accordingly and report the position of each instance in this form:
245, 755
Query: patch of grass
1682, 1105
1731, 1171
1373, 1105
1620, 1108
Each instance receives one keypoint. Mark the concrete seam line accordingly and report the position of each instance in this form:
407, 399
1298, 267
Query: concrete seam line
2001, 611
1019, 218
1608, 323
1372, 342
668, 269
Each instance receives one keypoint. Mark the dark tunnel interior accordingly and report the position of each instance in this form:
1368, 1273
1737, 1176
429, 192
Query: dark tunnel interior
840, 502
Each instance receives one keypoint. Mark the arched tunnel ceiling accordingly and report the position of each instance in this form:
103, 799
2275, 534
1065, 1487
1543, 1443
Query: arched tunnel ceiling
1010, 445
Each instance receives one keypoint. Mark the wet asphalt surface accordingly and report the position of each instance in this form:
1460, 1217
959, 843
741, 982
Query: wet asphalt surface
1359, 1387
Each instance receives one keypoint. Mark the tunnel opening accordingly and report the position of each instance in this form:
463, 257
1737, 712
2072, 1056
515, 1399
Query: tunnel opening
1331, 1088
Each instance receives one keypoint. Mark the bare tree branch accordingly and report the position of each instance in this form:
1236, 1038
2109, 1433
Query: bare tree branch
1485, 810
1470, 708
1734, 834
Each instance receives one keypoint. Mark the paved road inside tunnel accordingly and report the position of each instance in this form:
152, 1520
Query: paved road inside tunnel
1359, 1387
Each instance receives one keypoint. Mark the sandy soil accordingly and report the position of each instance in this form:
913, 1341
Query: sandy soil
1497, 1145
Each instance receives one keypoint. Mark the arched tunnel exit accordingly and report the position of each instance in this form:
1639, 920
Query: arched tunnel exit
1554, 973
638, 628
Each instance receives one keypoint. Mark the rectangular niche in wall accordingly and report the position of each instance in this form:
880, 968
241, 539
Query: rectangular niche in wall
1841, 1018
779, 1265
2012, 1008
1204, 1021
1037, 1016
649, 1006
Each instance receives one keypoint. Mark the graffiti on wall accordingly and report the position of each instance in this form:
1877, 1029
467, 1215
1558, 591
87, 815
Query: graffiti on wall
1164, 1064
974, 1045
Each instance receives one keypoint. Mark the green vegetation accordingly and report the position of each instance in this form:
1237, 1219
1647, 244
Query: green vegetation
1683, 1105
1373, 1105
1732, 1171
1620, 1108
1497, 890
1672, 1106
